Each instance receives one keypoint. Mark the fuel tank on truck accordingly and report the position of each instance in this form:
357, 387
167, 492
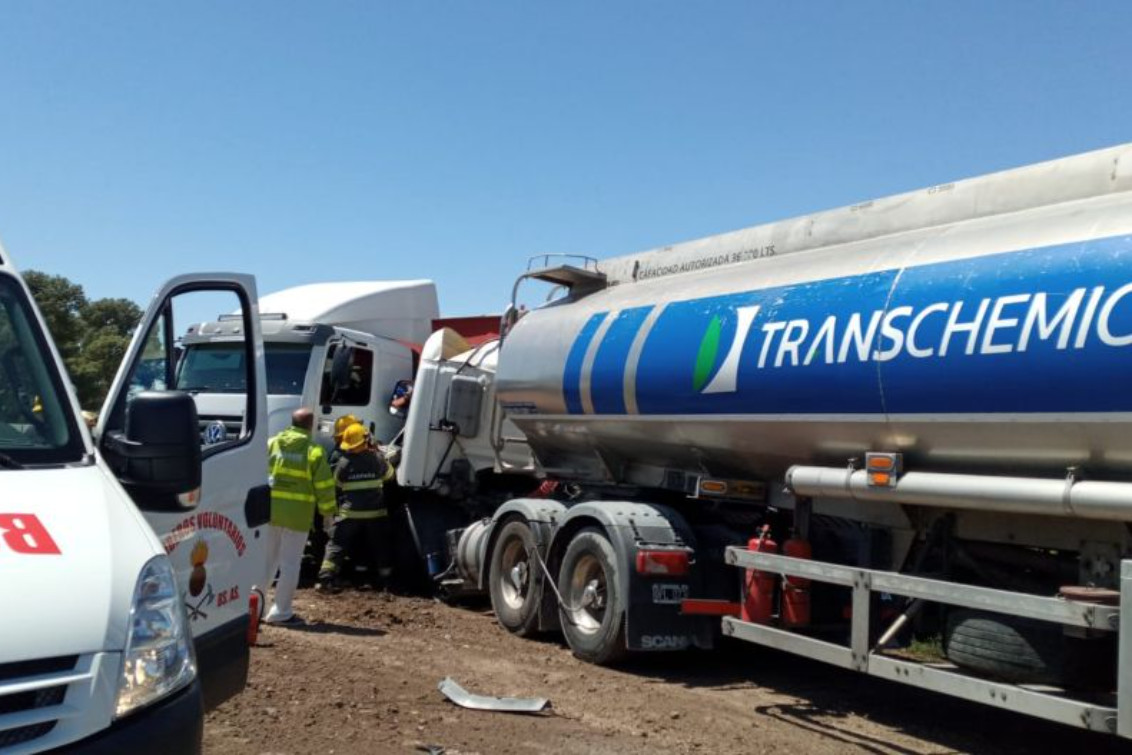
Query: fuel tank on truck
985, 324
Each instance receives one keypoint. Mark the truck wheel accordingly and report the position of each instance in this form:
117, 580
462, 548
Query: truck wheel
1009, 648
593, 615
515, 580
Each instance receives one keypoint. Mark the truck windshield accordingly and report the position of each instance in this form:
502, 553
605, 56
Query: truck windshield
219, 368
37, 424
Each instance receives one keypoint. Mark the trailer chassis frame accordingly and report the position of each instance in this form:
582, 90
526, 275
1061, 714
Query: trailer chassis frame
1034, 700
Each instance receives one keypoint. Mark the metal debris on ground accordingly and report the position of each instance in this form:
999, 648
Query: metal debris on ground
465, 699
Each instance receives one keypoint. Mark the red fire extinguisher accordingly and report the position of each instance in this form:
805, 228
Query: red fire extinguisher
758, 604
796, 590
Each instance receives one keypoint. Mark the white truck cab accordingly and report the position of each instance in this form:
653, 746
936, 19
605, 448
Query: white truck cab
131, 559
338, 348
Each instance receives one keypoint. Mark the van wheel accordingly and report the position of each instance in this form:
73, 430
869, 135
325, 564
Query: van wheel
515, 580
1009, 648
593, 614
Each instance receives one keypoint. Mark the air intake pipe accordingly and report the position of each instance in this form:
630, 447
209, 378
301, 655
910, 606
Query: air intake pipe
1069, 497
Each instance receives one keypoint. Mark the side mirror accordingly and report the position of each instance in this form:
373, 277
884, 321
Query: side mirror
508, 319
158, 456
340, 367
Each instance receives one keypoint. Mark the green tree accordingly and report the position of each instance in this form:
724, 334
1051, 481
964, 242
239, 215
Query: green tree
61, 303
9, 401
107, 326
92, 336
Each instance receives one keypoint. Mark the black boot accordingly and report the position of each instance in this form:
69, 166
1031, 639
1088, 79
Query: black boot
328, 584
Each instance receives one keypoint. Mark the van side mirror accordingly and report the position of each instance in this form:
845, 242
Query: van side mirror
158, 456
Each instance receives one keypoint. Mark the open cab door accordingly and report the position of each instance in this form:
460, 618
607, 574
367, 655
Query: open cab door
201, 483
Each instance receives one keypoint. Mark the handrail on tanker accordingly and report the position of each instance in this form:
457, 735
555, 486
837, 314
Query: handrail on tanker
588, 263
563, 274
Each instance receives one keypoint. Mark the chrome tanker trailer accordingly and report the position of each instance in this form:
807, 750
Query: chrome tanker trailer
908, 419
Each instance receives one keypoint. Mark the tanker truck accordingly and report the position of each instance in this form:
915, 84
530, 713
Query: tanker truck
893, 437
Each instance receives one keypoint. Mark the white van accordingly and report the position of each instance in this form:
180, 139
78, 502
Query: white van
130, 564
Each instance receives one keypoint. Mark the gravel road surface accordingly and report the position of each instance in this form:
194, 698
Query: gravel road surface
361, 677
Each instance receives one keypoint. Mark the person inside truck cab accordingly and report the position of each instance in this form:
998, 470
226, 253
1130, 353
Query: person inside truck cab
402, 396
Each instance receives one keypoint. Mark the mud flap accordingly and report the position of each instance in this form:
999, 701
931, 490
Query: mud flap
654, 621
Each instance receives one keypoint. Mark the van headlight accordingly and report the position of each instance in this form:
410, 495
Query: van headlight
159, 650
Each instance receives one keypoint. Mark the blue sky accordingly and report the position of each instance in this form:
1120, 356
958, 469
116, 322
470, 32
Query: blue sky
451, 140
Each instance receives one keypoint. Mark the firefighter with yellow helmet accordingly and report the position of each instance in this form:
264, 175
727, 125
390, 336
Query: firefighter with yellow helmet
362, 524
340, 426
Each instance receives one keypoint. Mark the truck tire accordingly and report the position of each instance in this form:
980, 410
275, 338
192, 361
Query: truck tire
515, 579
1023, 651
593, 614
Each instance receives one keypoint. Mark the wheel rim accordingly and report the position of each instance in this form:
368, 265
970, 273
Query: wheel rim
586, 594
514, 574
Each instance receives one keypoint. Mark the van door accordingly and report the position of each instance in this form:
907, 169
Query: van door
212, 534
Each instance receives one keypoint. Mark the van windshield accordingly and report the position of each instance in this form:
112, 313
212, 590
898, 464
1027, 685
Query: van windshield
37, 424
219, 368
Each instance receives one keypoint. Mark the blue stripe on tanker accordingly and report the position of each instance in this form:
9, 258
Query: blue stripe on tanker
572, 373
1035, 331
607, 375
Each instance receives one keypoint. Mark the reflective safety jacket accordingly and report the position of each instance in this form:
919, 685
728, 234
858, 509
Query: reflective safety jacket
360, 477
300, 479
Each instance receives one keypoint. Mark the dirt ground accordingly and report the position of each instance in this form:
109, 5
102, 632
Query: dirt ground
361, 677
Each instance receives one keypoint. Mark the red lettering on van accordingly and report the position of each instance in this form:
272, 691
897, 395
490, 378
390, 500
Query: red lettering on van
24, 533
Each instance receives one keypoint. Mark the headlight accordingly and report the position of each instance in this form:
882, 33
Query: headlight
159, 651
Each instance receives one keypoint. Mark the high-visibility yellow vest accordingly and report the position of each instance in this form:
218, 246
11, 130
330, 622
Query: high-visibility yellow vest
300, 480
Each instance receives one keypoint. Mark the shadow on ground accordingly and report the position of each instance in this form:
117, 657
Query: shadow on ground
330, 627
826, 694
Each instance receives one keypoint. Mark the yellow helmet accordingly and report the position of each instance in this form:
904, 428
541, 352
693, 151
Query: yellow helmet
342, 423
354, 437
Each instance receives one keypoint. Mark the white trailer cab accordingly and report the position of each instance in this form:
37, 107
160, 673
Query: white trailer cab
339, 348
131, 559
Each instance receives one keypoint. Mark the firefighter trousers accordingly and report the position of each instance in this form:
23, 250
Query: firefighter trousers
368, 542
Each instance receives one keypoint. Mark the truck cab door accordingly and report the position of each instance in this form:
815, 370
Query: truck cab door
347, 385
360, 379
211, 531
